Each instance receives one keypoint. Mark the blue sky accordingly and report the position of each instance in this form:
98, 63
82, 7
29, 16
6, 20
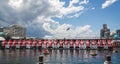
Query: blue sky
98, 16
51, 18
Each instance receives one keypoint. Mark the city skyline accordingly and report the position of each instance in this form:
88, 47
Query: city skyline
61, 18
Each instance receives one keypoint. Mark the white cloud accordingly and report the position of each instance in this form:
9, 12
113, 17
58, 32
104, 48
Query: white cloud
84, 2
64, 11
62, 32
15, 3
72, 2
108, 3
37, 16
75, 15
52, 8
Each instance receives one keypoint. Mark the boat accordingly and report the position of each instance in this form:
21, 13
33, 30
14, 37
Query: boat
45, 52
115, 51
93, 54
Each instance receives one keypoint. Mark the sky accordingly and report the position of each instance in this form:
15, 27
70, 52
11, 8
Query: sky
52, 18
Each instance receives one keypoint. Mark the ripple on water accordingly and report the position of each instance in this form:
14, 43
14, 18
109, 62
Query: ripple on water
56, 57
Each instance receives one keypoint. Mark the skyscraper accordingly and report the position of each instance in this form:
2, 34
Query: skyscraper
104, 32
118, 32
1, 29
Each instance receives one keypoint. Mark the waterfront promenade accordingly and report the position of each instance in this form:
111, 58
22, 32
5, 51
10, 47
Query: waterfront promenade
60, 44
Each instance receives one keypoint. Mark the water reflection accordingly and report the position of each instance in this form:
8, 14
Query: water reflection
57, 56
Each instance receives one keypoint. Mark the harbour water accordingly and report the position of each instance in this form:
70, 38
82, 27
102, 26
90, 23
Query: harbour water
28, 56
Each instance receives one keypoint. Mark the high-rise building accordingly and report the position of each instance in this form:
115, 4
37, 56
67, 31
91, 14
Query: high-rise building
118, 32
1, 29
104, 32
15, 30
